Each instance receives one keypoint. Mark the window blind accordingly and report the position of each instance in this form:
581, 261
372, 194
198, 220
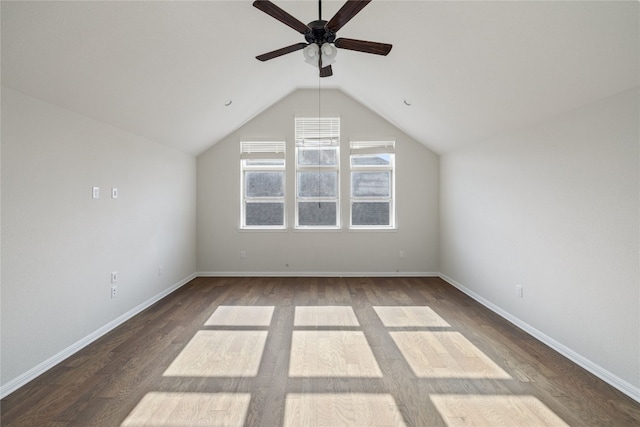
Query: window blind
317, 131
372, 147
262, 150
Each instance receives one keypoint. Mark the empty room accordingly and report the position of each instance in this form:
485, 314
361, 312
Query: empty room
320, 213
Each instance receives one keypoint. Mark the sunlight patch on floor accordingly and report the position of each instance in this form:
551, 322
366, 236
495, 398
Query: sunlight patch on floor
332, 354
413, 316
220, 354
445, 355
494, 410
190, 409
325, 316
231, 315
341, 409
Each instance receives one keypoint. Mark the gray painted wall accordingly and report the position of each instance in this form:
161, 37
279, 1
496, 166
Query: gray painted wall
59, 246
341, 251
555, 209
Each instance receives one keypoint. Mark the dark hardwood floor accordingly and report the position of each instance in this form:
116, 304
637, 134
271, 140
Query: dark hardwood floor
375, 351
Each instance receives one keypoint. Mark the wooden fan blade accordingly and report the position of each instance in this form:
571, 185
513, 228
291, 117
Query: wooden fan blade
326, 71
363, 46
279, 52
271, 9
346, 12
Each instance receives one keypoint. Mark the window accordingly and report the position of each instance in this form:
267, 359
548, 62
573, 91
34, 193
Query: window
372, 184
262, 180
317, 172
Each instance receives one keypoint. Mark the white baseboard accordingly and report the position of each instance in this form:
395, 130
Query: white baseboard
317, 274
597, 370
41, 368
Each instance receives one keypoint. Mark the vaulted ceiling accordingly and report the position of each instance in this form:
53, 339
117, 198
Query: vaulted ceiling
470, 70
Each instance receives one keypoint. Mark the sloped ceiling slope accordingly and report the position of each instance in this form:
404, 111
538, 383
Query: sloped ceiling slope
470, 70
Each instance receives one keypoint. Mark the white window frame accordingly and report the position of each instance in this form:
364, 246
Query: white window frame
363, 148
317, 133
262, 150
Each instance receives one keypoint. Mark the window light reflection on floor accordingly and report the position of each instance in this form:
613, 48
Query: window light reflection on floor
220, 354
494, 410
445, 355
318, 352
227, 315
325, 316
409, 316
332, 354
341, 409
190, 409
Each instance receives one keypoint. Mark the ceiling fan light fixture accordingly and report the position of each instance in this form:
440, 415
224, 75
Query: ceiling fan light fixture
311, 53
329, 53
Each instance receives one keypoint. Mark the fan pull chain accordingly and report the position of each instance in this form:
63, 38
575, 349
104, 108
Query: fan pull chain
319, 122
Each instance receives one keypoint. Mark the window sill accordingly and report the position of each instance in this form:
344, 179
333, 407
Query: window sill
373, 230
262, 230
317, 229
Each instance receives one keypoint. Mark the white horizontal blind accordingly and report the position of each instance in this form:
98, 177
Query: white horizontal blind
317, 131
317, 172
372, 147
262, 149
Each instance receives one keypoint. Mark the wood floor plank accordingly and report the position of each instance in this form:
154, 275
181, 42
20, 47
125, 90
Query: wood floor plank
317, 351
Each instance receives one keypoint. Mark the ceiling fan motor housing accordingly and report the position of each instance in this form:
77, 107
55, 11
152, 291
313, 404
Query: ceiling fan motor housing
319, 34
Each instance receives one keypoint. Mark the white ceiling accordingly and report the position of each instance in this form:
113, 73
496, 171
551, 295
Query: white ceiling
471, 70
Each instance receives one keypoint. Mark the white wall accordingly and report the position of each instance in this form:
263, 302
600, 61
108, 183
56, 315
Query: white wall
59, 245
555, 209
317, 252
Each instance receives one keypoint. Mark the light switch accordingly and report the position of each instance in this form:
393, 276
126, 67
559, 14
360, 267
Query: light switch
114, 193
96, 192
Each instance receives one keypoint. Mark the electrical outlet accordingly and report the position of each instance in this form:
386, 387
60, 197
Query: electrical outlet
243, 255
401, 254
114, 291
114, 276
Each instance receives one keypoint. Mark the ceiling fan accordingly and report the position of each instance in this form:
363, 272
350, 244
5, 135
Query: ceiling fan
320, 35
